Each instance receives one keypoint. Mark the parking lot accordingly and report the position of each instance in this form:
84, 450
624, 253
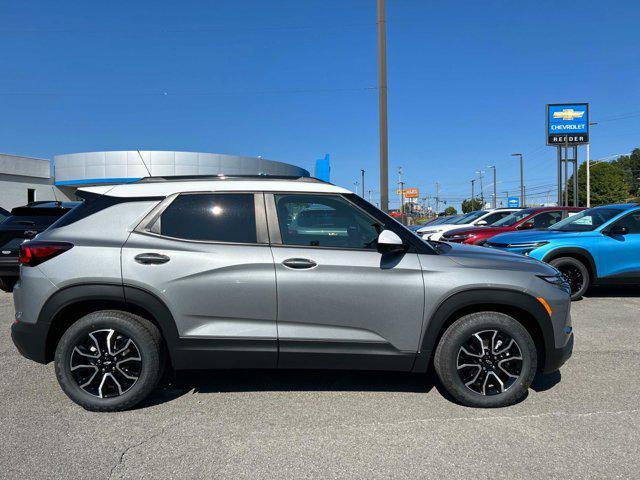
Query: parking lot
584, 423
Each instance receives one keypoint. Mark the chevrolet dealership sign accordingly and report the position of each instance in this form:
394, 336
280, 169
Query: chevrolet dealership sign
567, 123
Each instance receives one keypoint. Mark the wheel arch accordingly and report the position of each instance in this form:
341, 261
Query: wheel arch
578, 253
521, 306
70, 304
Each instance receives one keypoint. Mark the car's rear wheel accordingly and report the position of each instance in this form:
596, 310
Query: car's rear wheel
486, 359
576, 274
109, 360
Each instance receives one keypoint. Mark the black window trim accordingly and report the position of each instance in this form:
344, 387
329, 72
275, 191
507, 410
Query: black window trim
146, 226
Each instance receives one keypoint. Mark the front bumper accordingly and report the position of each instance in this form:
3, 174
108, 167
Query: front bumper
556, 357
31, 340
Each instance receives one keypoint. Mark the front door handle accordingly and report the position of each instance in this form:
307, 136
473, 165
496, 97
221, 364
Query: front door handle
151, 258
299, 263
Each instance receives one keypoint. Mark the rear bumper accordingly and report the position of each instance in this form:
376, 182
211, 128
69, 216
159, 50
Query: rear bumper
556, 357
31, 340
9, 266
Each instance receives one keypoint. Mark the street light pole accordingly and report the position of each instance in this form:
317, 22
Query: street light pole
588, 170
382, 105
362, 173
522, 203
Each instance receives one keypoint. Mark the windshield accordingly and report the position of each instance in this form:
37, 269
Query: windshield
587, 220
469, 217
441, 220
512, 219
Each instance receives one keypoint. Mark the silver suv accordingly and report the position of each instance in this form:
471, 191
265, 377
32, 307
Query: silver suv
275, 273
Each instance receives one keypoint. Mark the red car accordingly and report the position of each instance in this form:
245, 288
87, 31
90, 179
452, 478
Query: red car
526, 219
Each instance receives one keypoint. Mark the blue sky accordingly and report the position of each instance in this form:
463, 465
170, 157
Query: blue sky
293, 80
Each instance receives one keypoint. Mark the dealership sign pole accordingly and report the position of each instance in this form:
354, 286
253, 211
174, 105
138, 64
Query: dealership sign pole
567, 125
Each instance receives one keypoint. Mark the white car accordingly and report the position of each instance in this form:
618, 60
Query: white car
472, 219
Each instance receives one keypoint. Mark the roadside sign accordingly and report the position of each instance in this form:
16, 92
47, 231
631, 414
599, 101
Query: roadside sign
567, 123
411, 193
513, 202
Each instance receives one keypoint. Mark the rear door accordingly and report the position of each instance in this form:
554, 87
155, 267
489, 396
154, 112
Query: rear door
206, 256
341, 304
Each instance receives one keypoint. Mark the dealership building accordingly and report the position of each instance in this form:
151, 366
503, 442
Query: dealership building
25, 179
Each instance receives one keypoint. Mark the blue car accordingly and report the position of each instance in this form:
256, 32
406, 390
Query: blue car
597, 246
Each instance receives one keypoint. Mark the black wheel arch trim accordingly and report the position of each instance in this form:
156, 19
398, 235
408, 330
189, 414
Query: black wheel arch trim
106, 292
466, 301
568, 251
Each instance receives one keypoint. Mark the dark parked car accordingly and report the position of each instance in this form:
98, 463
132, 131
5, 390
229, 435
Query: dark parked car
24, 223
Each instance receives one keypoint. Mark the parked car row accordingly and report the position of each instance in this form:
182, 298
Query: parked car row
590, 247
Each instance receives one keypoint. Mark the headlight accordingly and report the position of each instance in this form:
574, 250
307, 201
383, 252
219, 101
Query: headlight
558, 280
460, 237
530, 245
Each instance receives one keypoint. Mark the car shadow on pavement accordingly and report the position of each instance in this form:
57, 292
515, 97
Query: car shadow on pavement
221, 381
613, 291
544, 382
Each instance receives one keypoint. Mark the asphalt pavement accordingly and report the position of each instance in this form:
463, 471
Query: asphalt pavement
582, 423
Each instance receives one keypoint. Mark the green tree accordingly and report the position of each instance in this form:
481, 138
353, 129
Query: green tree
471, 205
608, 184
630, 164
450, 211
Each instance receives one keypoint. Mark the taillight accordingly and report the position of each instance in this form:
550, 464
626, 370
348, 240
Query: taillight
34, 253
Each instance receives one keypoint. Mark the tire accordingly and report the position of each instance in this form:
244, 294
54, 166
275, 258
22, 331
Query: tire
118, 355
576, 273
449, 356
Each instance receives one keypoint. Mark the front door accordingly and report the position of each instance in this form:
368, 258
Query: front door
341, 304
619, 255
207, 257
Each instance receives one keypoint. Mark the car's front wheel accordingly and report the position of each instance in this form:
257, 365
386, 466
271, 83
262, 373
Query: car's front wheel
576, 274
109, 360
486, 359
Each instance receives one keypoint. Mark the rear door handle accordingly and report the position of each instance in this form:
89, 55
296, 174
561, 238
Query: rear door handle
151, 258
299, 263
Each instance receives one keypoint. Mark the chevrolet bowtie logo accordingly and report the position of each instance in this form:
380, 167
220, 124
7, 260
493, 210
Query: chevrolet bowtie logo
568, 114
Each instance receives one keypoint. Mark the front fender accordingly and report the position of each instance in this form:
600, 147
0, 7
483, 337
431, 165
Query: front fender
476, 300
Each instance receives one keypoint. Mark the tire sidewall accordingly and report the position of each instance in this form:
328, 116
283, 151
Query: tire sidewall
459, 333
147, 348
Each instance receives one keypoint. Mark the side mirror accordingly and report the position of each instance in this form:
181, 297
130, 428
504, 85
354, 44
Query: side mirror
618, 230
526, 225
389, 242
482, 222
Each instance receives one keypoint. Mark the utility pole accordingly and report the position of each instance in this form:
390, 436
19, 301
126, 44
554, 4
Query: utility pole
369, 195
355, 190
401, 193
473, 193
362, 173
522, 204
437, 197
481, 172
382, 105
495, 194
